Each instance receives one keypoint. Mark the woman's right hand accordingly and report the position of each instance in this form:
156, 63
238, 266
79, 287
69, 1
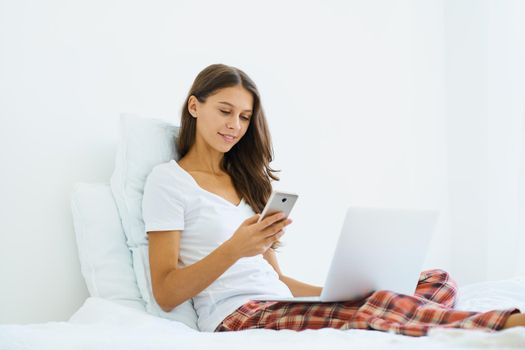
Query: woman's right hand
253, 238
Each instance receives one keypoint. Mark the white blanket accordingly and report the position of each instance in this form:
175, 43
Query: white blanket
103, 324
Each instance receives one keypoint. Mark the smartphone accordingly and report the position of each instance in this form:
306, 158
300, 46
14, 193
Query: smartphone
279, 201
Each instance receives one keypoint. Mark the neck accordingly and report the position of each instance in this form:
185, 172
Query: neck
205, 159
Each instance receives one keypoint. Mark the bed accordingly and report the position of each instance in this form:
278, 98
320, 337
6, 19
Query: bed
104, 324
121, 313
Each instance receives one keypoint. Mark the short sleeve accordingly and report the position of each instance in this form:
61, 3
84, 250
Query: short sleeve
162, 202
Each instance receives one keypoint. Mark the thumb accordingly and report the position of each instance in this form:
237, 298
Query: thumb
252, 219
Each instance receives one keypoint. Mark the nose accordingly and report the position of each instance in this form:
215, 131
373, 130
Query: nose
235, 124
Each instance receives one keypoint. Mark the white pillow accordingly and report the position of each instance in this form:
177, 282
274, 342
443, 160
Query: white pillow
143, 143
105, 259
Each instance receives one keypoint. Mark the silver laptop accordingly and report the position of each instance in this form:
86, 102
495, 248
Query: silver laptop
377, 249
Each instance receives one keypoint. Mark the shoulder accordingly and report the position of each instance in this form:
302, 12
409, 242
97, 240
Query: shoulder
161, 171
164, 175
165, 182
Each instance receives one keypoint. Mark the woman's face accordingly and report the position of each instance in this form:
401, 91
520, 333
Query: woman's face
224, 118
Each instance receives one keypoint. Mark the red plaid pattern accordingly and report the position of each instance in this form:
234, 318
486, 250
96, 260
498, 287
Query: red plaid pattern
432, 305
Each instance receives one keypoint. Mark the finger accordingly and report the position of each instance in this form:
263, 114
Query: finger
281, 231
278, 235
252, 219
275, 228
272, 219
284, 223
270, 240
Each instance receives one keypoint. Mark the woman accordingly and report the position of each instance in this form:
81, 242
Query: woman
205, 244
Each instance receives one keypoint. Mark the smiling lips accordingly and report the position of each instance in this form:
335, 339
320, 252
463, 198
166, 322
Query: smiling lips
227, 138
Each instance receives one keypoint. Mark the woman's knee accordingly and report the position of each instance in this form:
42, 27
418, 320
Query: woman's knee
434, 275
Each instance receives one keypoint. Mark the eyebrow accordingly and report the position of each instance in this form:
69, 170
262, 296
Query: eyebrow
229, 104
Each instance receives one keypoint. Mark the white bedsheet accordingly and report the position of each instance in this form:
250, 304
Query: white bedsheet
102, 324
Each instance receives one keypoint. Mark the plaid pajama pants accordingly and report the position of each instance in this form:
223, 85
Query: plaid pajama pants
432, 305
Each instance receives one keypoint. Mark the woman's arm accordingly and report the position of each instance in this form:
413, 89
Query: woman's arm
298, 288
301, 289
173, 285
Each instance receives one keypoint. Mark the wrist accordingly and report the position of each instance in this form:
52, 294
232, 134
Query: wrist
230, 250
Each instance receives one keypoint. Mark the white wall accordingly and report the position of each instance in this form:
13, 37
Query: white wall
354, 92
466, 109
485, 113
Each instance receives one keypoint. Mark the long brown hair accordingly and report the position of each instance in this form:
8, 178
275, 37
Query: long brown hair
247, 162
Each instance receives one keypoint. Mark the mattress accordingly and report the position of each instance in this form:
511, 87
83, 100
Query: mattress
103, 324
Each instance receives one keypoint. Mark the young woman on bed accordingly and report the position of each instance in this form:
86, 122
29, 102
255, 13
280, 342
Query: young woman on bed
205, 242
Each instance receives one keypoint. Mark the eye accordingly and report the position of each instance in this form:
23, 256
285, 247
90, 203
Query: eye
228, 112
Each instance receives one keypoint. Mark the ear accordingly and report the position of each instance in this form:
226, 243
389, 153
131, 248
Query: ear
192, 106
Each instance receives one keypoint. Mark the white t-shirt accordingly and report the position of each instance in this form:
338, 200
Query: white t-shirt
173, 200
